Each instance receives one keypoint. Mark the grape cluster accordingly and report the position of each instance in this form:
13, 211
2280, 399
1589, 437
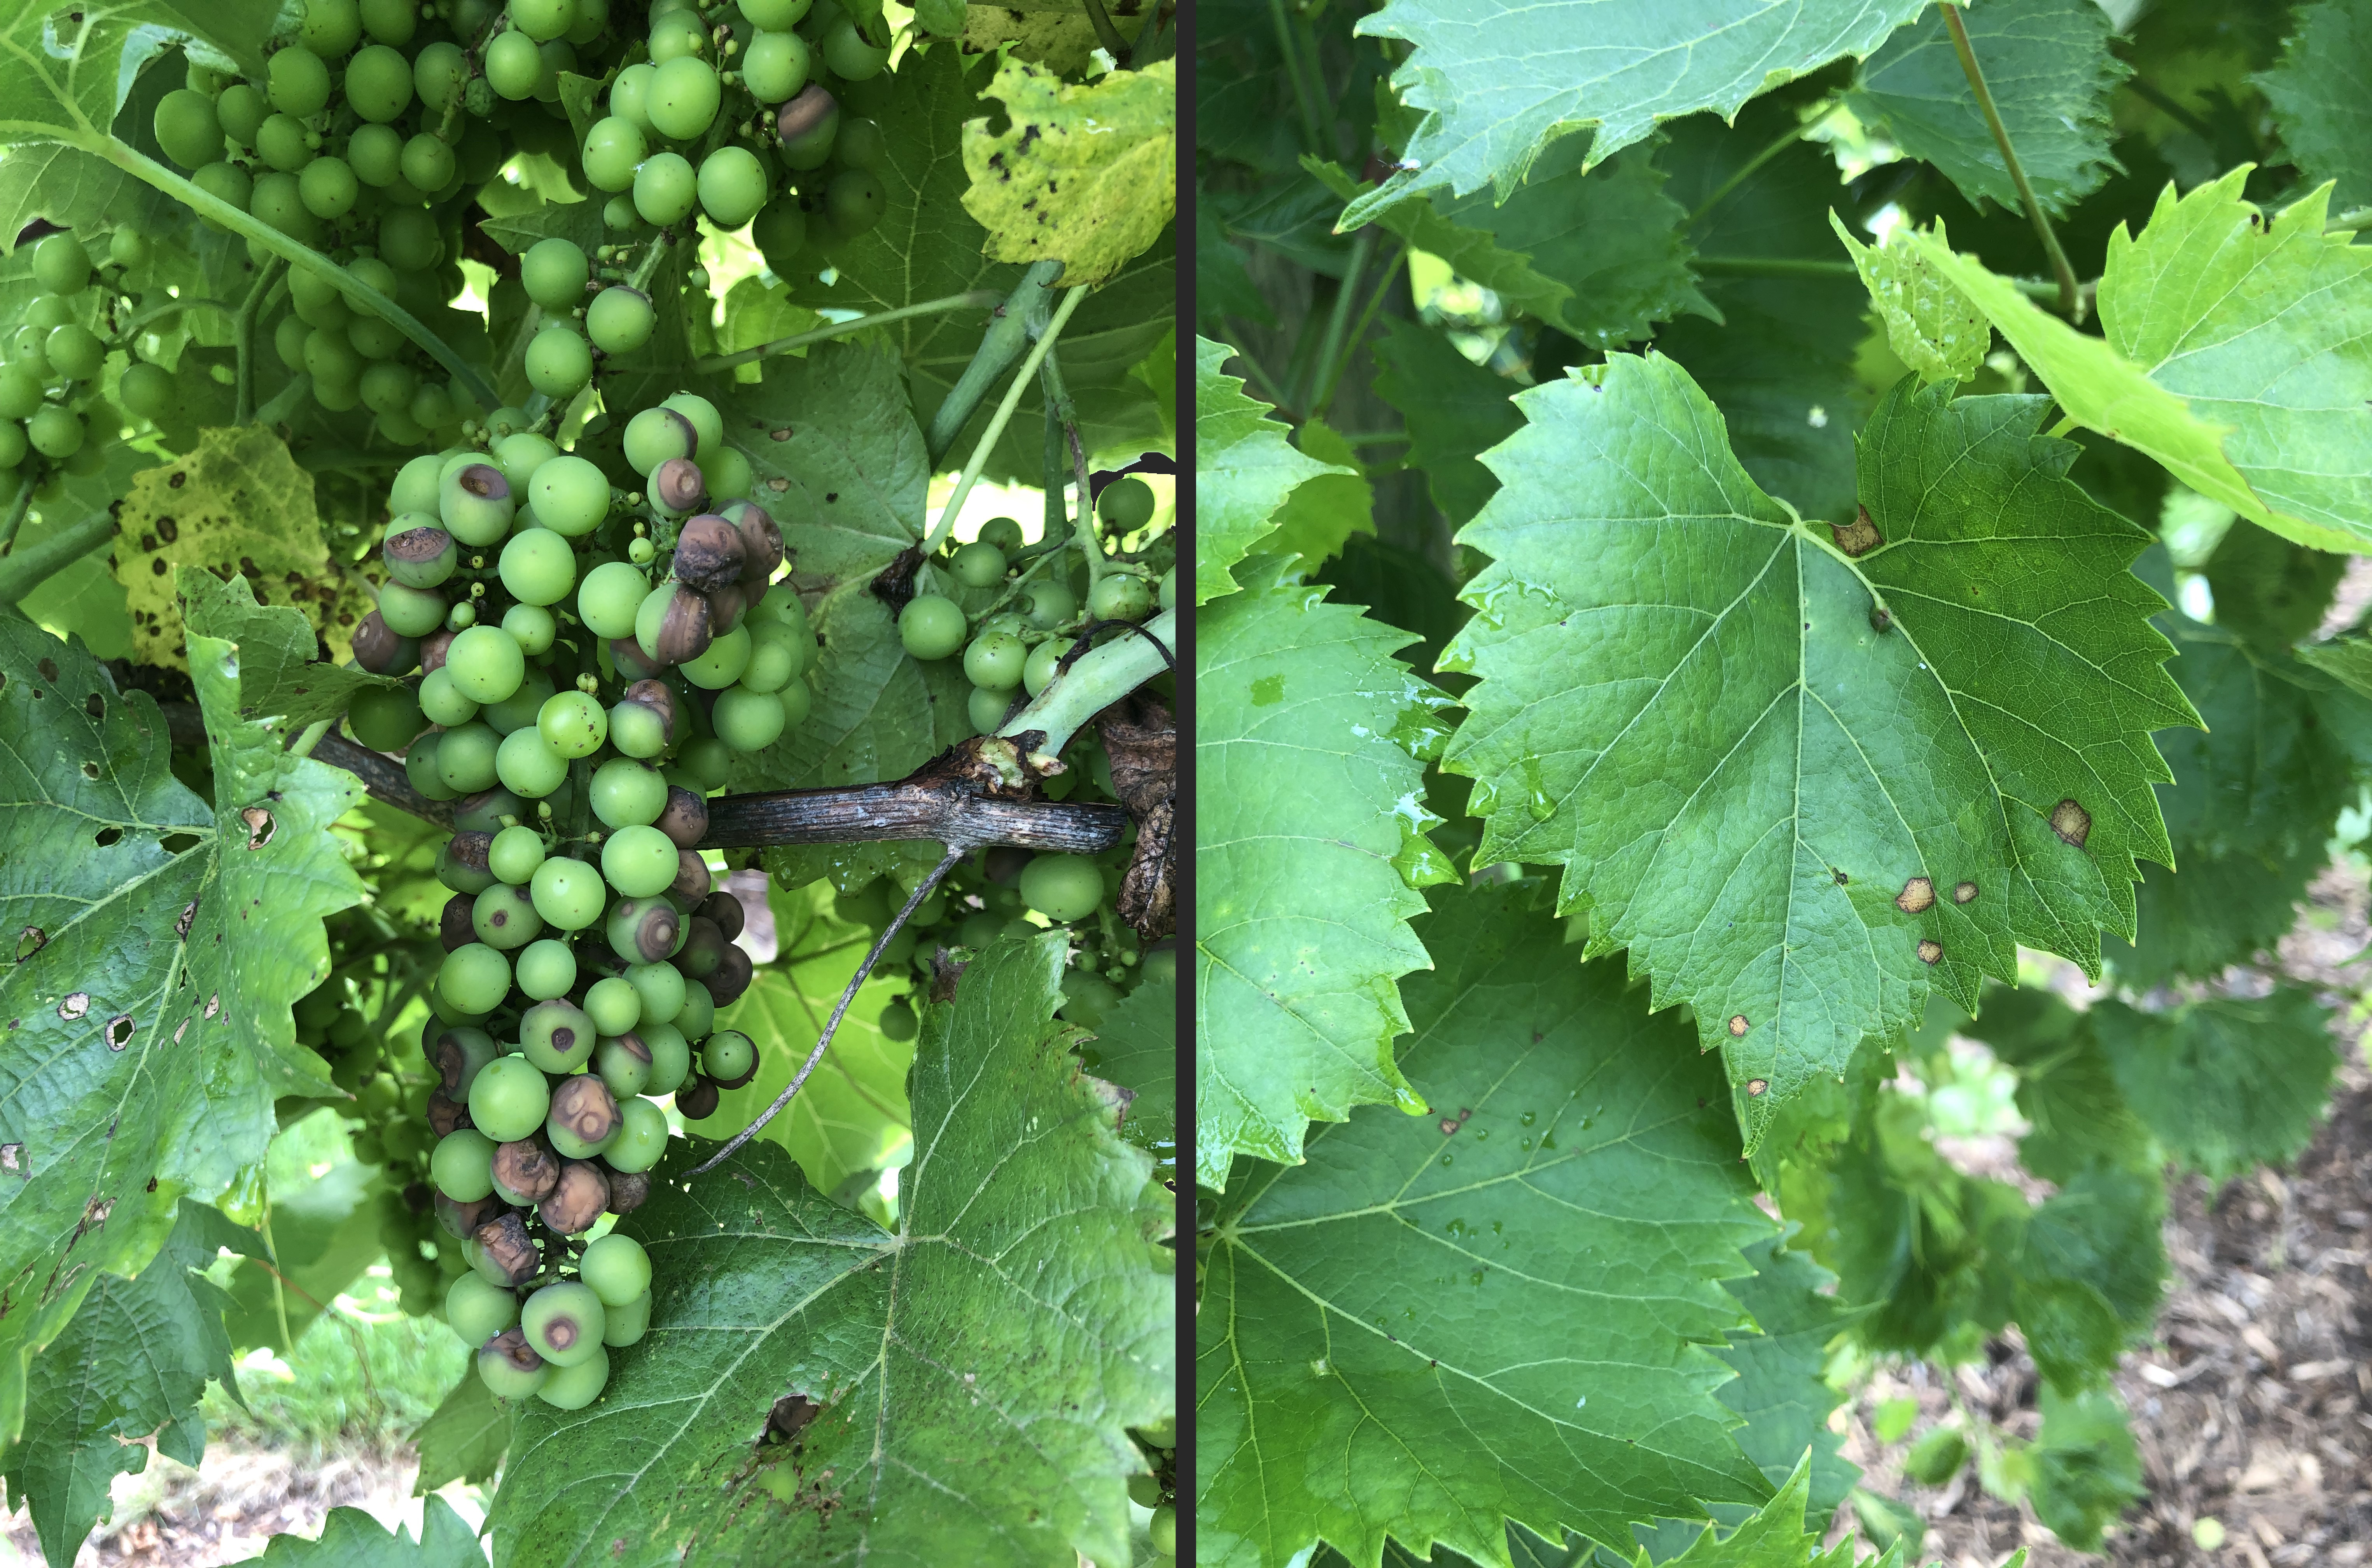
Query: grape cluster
1012, 653
1158, 1491
995, 892
684, 128
50, 380
365, 139
584, 711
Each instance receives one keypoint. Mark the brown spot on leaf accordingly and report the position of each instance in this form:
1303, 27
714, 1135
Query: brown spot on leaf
2071, 822
1857, 538
189, 913
13, 1161
75, 1005
1738, 1025
1881, 620
1917, 896
30, 941
119, 1031
1842, 879
1755, 1086
1930, 951
1966, 894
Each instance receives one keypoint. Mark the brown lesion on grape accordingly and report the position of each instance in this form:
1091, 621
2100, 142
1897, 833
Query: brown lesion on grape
1917, 896
1739, 1025
1755, 1088
2071, 822
1966, 894
509, 1248
1857, 538
1930, 951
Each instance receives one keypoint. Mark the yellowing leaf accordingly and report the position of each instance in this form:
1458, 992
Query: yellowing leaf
238, 506
1930, 324
1085, 175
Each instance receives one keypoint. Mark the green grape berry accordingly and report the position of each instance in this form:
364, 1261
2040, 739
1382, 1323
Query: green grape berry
621, 320
476, 1310
332, 26
1002, 532
978, 566
627, 793
573, 724
850, 55
994, 660
664, 189
856, 201
559, 362
776, 65
1052, 605
509, 1098
568, 894
931, 627
660, 988
986, 708
630, 96
614, 150
529, 767
628, 1322
638, 861
188, 128
1120, 597
1062, 887
614, 1006
1127, 503
504, 917
615, 1268
623, 1064
545, 968
1039, 672
564, 1323
573, 1388
537, 567
462, 1168
385, 719
473, 978
732, 186
299, 82
569, 496
556, 1037
684, 98
554, 272
641, 1137
486, 664
543, 21
515, 854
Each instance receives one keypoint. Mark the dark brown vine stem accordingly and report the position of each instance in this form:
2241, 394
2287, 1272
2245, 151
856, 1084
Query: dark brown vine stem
947, 800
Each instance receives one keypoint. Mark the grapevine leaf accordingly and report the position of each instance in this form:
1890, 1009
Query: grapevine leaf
2076, 1117
1473, 252
1688, 700
1499, 82
2207, 363
1244, 469
129, 1366
160, 949
351, 1538
974, 1371
1456, 411
2347, 660
279, 677
837, 458
1931, 326
1780, 365
1778, 1536
324, 1235
1509, 1312
1062, 39
852, 1115
1780, 1389
2318, 98
2271, 591
1308, 742
236, 506
1322, 512
2048, 65
85, 601
2088, 1271
1608, 233
1137, 1047
1112, 142
2228, 1083
926, 245
466, 1437
60, 67
2088, 1470
74, 190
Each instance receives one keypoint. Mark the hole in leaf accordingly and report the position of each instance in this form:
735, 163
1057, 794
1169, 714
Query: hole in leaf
106, 838
95, 706
91, 770
177, 843
260, 826
30, 941
75, 1005
119, 1031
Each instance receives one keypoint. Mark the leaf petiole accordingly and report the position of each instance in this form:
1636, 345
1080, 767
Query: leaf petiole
2071, 300
975, 299
1004, 416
